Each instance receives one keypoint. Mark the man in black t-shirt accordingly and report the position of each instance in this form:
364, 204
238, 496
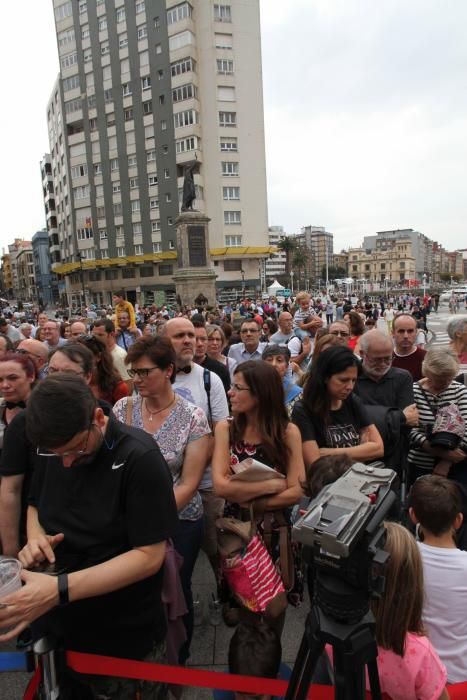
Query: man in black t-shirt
101, 509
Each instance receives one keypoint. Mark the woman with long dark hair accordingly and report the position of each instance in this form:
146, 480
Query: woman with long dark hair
357, 329
106, 383
330, 417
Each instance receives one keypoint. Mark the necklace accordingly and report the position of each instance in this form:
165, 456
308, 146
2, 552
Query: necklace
159, 410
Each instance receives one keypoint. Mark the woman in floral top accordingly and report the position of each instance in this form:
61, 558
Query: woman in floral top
182, 433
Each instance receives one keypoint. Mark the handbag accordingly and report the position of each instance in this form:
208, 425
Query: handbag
248, 568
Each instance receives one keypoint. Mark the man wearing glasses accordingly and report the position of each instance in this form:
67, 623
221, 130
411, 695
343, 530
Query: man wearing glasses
101, 509
38, 353
341, 330
250, 348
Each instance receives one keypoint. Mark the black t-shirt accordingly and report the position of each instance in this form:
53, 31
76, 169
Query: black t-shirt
343, 429
121, 500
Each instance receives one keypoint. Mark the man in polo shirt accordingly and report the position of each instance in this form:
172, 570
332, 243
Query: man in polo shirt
406, 353
101, 509
250, 348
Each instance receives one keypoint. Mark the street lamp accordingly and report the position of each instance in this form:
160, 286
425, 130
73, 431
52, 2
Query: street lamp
291, 280
424, 284
80, 258
242, 272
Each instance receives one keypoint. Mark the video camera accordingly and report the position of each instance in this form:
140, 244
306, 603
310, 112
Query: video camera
343, 539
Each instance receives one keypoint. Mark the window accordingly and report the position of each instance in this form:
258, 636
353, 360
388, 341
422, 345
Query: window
104, 48
222, 13
105, 256
110, 119
85, 33
184, 92
179, 12
133, 183
223, 41
121, 251
132, 161
123, 41
118, 208
99, 190
111, 274
87, 55
138, 250
178, 41
154, 203
81, 192
146, 271
102, 24
150, 156
82, 7
114, 163
66, 37
142, 32
108, 95
225, 66
126, 89
135, 205
73, 106
119, 232
232, 265
101, 212
116, 187
383, 266
97, 169
155, 225
227, 119
103, 234
354, 268
128, 114
79, 171
233, 241
63, 11
402, 263
147, 107
157, 247
168, 197
228, 143
186, 118
137, 229
185, 65
158, 49
188, 144
166, 173
69, 60
229, 169
146, 82
157, 22
166, 270
121, 14
231, 192
139, 7
84, 234
232, 217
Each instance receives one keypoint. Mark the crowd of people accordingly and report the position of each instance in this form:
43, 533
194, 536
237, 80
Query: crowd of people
130, 438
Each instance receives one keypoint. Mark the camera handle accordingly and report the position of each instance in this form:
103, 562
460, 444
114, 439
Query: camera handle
354, 648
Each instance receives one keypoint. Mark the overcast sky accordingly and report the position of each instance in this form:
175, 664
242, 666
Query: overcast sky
365, 115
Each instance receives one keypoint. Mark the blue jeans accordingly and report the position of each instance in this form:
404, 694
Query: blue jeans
187, 542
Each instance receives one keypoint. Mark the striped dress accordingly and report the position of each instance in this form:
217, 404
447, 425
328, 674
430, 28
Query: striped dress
455, 393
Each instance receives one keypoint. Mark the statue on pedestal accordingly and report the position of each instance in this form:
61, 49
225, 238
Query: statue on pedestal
189, 192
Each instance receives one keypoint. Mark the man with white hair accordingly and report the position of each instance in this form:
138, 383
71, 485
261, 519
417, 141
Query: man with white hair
389, 392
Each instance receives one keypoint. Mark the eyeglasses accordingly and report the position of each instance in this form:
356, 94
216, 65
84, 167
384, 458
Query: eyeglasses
344, 334
142, 372
20, 351
237, 387
70, 453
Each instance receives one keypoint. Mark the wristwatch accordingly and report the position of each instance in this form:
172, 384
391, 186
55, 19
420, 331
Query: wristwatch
63, 598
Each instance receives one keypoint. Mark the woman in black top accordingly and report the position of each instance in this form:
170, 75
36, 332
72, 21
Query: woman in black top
330, 417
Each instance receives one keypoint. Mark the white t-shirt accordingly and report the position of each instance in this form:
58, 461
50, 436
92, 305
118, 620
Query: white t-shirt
445, 606
118, 356
191, 387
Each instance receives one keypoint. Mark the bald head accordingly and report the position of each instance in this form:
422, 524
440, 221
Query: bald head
36, 350
181, 333
78, 329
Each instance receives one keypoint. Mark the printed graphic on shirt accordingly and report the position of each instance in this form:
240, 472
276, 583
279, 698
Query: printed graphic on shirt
342, 436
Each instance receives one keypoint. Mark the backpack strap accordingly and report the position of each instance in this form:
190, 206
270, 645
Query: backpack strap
207, 388
129, 411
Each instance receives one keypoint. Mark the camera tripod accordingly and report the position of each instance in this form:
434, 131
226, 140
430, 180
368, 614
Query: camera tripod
354, 648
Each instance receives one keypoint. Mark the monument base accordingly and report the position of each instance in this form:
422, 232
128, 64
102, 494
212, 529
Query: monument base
193, 282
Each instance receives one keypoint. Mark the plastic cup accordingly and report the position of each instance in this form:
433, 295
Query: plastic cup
10, 576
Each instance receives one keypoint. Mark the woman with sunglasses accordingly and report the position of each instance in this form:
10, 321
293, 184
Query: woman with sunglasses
106, 384
268, 328
182, 432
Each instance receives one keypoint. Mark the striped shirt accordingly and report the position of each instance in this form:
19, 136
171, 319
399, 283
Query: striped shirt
455, 393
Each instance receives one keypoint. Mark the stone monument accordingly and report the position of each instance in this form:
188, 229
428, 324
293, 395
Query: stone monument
194, 277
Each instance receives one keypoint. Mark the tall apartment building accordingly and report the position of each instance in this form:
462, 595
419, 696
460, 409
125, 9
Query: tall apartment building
276, 264
146, 89
319, 245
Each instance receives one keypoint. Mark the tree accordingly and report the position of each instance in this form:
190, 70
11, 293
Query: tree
287, 245
334, 272
299, 262
446, 277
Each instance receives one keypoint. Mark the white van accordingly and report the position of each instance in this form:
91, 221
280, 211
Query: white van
446, 295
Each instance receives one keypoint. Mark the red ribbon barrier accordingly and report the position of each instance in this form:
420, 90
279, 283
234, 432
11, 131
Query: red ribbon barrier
33, 685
